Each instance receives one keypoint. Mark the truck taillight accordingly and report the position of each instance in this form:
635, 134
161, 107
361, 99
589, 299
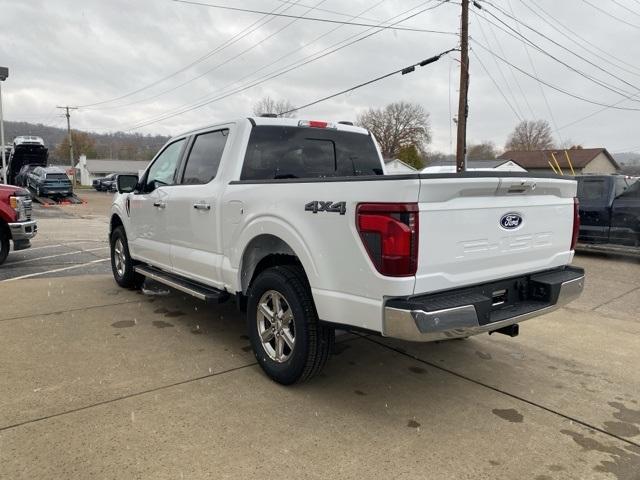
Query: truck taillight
576, 223
389, 232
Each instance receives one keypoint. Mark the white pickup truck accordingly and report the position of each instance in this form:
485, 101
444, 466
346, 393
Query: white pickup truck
297, 221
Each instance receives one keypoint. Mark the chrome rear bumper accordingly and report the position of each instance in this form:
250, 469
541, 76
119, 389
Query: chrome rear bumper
425, 325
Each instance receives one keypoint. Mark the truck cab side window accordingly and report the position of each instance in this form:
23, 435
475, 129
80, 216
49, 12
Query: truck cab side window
163, 170
204, 158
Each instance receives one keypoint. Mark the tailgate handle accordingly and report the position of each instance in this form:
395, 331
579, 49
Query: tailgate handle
522, 187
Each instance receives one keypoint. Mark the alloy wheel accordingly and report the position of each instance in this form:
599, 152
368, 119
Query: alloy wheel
119, 258
276, 328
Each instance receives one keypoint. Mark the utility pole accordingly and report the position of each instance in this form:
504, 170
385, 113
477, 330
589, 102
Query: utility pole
463, 107
73, 168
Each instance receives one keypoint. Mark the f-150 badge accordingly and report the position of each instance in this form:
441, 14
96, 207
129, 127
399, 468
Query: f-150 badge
319, 206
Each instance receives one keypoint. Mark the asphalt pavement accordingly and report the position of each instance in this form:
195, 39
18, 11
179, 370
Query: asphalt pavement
101, 382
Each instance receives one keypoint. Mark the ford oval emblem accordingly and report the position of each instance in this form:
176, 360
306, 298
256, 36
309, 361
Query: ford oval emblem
510, 221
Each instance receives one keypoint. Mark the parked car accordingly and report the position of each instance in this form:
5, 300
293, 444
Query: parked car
49, 182
16, 224
297, 221
98, 183
609, 209
21, 177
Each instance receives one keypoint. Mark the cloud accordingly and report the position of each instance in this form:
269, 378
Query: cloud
82, 52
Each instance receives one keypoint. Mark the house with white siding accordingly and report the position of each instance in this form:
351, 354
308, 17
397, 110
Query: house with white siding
91, 168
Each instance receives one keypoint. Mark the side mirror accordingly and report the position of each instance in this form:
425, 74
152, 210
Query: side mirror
127, 183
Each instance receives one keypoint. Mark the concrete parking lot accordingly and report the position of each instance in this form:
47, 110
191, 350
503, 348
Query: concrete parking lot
100, 382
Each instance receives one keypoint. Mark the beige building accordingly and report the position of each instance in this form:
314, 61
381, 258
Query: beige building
583, 160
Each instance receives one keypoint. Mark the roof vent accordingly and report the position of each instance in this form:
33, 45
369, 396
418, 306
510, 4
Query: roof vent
344, 122
269, 115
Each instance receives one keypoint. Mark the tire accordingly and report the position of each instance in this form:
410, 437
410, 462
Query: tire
312, 342
4, 243
122, 265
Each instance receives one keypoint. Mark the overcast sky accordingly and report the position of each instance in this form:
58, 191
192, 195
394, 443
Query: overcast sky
81, 52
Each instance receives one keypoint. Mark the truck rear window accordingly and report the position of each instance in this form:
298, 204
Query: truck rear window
298, 152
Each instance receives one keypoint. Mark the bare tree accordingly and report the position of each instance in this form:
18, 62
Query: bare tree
482, 151
269, 105
530, 135
398, 125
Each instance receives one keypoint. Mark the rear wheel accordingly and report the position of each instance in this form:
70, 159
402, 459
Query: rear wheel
122, 265
4, 243
288, 341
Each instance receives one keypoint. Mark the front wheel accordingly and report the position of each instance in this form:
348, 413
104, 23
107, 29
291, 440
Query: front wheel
122, 265
288, 341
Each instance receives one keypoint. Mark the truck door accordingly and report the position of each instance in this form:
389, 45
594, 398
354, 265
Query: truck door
150, 242
194, 209
595, 195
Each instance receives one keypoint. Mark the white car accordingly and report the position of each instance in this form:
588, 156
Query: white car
296, 220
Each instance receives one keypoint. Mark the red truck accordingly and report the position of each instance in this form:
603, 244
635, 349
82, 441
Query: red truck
16, 223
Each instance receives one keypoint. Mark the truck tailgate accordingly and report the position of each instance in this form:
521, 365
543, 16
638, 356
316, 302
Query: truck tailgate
476, 229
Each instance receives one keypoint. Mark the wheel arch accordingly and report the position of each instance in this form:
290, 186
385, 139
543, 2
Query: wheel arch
115, 222
265, 251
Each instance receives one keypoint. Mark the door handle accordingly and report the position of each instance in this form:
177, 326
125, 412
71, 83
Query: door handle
160, 204
202, 206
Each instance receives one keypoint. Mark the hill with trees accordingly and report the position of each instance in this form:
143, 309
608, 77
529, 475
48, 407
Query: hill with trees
118, 145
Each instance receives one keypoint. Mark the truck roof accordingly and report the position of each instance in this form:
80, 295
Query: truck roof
285, 122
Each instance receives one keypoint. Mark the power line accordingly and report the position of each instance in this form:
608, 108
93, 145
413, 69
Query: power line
403, 71
593, 114
327, 49
535, 71
582, 40
608, 14
314, 19
554, 87
519, 36
215, 67
235, 38
496, 85
293, 66
515, 78
519, 115
622, 5
537, 47
334, 12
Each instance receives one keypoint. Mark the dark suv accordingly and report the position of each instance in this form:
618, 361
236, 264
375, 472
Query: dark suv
49, 182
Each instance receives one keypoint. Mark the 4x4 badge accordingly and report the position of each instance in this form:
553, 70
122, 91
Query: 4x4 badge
319, 206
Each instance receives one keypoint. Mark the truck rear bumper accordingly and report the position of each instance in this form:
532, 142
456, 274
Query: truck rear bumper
480, 308
23, 230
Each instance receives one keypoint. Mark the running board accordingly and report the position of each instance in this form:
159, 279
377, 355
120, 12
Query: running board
196, 289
